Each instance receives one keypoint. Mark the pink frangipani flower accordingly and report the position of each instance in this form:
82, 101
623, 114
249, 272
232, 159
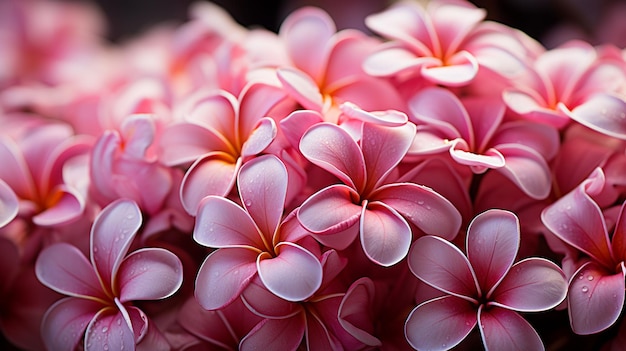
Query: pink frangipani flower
367, 203
252, 240
483, 287
102, 290
596, 290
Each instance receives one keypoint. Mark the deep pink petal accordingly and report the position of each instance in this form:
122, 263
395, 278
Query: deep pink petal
441, 109
440, 324
493, 240
442, 265
223, 276
461, 69
355, 311
301, 87
540, 137
330, 210
111, 235
265, 304
385, 235
294, 274
595, 299
222, 223
63, 268
186, 142
149, 274
275, 334
261, 137
334, 150
603, 113
527, 169
532, 285
109, 331
618, 242
68, 207
392, 60
503, 329
8, 204
64, 324
486, 117
262, 186
422, 206
214, 174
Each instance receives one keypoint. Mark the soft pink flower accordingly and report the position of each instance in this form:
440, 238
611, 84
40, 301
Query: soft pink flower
483, 287
102, 290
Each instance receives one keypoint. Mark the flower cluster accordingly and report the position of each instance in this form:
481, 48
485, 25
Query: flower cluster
435, 184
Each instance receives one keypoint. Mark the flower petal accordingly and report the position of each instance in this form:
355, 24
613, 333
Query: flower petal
265, 304
214, 174
63, 268
443, 266
111, 235
385, 234
503, 329
392, 60
108, 331
8, 204
493, 239
532, 285
461, 69
223, 276
330, 210
301, 87
595, 299
440, 323
527, 169
440, 108
261, 137
389, 118
294, 274
68, 207
64, 324
186, 142
149, 274
603, 113
257, 100
355, 311
14, 170
275, 334
618, 242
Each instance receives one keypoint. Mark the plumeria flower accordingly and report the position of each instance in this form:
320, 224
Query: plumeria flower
102, 289
252, 240
368, 203
596, 290
483, 287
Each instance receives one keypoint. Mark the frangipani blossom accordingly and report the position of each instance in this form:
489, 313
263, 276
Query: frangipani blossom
252, 240
367, 204
103, 288
596, 290
482, 287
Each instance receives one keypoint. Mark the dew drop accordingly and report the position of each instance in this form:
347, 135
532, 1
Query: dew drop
581, 276
95, 249
584, 289
420, 202
428, 207
590, 278
105, 329
105, 347
130, 216
248, 203
119, 321
468, 323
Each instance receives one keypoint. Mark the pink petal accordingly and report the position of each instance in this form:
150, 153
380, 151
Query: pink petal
186, 142
422, 206
8, 204
389, 118
540, 137
390, 61
441, 109
275, 334
355, 314
223, 276
440, 324
294, 274
330, 210
214, 174
297, 123
490, 158
301, 87
263, 303
486, 117
443, 266
532, 285
527, 169
214, 110
385, 234
222, 223
503, 329
460, 70
63, 268
603, 113
111, 235
618, 242
149, 274
383, 148
262, 187
493, 238
453, 22
307, 51
108, 331
595, 299
530, 105
14, 170
261, 137
68, 207
257, 100
334, 150
138, 134
64, 324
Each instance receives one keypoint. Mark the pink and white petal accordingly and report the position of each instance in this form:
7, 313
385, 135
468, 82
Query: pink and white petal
137, 319
340, 240
318, 337
595, 298
440, 323
441, 109
333, 149
8, 204
486, 114
330, 210
14, 170
138, 134
385, 235
261, 137
523, 102
68, 207
108, 331
618, 242
265, 304
540, 137
211, 326
479, 163
213, 174
532, 285
389, 118
493, 239
64, 324
355, 311
101, 167
301, 87
603, 113
224, 274
527, 169
296, 124
222, 223
383, 148
111, 235
428, 141
257, 100
371, 94
64, 269
502, 329
307, 51
215, 111
294, 274
453, 22
186, 142
149, 274
460, 70
440, 264
422, 206
262, 184
391, 61
275, 334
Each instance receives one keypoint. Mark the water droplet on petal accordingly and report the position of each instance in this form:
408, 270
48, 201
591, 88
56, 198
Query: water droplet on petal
105, 347
590, 278
420, 202
105, 329
95, 249
119, 321
584, 289
248, 203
